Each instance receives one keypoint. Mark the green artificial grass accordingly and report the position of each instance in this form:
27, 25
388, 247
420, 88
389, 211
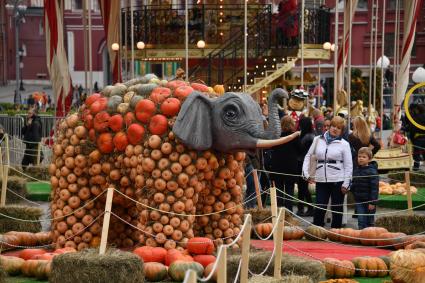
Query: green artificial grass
22, 279
38, 191
400, 201
372, 280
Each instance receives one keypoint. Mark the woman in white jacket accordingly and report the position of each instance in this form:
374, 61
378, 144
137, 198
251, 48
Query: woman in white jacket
333, 171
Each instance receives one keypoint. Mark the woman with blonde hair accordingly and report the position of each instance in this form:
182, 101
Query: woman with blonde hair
361, 137
334, 168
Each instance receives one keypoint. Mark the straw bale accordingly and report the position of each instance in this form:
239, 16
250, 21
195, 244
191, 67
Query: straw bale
408, 224
88, 266
21, 212
17, 185
263, 215
291, 265
284, 279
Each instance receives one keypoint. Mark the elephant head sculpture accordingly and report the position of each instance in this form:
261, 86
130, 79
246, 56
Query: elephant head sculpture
228, 123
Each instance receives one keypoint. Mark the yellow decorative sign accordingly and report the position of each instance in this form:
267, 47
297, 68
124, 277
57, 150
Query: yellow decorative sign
406, 106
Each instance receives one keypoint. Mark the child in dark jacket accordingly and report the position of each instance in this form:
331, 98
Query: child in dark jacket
365, 187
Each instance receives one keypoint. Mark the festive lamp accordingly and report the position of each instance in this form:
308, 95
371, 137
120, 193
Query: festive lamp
327, 45
200, 44
140, 45
383, 61
419, 75
115, 46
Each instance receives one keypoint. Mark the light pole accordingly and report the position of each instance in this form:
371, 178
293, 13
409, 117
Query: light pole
18, 14
21, 67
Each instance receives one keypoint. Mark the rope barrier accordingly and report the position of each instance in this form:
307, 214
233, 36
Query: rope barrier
208, 278
28, 176
326, 262
22, 197
55, 218
238, 272
52, 244
348, 213
267, 266
356, 238
186, 215
271, 233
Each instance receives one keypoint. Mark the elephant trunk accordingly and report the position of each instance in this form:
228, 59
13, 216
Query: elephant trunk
274, 129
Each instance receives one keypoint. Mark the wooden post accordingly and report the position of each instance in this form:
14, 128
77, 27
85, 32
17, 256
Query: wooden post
278, 242
409, 194
257, 189
190, 277
1, 163
106, 218
5, 172
273, 202
222, 265
38, 153
246, 239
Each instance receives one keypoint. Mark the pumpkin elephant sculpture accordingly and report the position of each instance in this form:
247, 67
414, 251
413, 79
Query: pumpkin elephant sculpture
175, 148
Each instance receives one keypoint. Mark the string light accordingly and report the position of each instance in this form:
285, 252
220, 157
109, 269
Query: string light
274, 59
265, 59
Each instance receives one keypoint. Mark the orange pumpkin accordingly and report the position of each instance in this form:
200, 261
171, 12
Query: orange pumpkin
200, 246
92, 98
183, 91
30, 253
264, 229
116, 122
205, 260
369, 235
392, 240
105, 143
99, 105
315, 233
159, 94
349, 236
120, 141
292, 233
199, 87
158, 125
338, 268
11, 264
101, 121
145, 109
170, 107
208, 270
135, 133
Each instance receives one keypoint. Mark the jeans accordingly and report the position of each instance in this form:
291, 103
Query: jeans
250, 199
324, 191
365, 220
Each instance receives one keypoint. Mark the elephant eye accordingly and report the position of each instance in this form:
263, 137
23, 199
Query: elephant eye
231, 112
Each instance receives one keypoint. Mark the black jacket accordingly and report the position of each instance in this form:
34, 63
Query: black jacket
32, 133
285, 156
366, 188
356, 144
305, 144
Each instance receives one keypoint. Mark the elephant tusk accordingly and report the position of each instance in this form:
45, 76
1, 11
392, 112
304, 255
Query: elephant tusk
270, 143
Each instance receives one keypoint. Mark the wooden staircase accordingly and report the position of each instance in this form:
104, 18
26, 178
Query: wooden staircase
271, 75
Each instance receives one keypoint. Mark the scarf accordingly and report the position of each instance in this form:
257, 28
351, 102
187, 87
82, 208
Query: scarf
329, 138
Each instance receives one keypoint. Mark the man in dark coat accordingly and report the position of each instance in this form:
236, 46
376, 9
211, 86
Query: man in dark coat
32, 137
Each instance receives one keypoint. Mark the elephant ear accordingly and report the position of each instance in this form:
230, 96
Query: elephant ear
193, 124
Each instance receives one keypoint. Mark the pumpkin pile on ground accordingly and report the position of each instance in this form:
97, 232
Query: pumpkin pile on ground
338, 268
395, 189
123, 138
159, 262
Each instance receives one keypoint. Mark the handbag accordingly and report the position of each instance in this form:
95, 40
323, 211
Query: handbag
313, 162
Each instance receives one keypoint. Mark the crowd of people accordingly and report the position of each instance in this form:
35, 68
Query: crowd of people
327, 153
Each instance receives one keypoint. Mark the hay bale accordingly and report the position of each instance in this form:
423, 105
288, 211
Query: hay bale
17, 185
291, 265
3, 275
417, 178
21, 212
88, 266
408, 224
37, 172
284, 279
260, 215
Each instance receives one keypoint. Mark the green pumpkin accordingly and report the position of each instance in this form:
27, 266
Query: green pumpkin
315, 233
134, 100
106, 91
155, 271
387, 260
113, 103
144, 90
177, 269
146, 78
119, 89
